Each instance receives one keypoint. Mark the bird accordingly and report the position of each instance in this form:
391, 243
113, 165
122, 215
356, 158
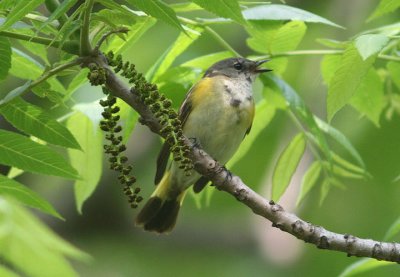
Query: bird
217, 113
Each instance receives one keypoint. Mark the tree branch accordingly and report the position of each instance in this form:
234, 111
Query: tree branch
225, 181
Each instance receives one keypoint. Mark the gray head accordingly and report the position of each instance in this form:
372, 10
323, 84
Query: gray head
237, 68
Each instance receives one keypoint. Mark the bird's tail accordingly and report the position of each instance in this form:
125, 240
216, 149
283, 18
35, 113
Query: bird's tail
161, 210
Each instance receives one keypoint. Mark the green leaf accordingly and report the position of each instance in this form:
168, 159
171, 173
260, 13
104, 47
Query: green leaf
264, 114
346, 79
309, 180
185, 7
15, 93
129, 118
159, 10
369, 98
394, 71
368, 45
44, 90
272, 37
288, 37
89, 160
286, 165
143, 23
363, 266
348, 165
341, 139
329, 64
284, 12
384, 7
26, 196
325, 188
27, 68
5, 57
300, 110
333, 43
34, 121
169, 56
19, 151
19, 11
345, 173
61, 10
262, 35
24, 66
394, 230
5, 272
224, 8
30, 246
388, 30
115, 18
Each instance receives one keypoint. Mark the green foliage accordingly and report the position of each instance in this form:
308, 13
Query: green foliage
309, 180
362, 71
5, 57
346, 79
58, 12
34, 121
271, 37
284, 12
362, 266
224, 8
159, 10
19, 11
30, 246
384, 7
11, 188
19, 151
368, 98
286, 165
369, 45
89, 160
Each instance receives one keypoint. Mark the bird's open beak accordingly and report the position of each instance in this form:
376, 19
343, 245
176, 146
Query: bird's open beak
261, 70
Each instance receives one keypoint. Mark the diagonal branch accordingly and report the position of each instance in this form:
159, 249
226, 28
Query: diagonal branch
225, 181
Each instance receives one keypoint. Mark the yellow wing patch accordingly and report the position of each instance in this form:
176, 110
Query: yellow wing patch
201, 91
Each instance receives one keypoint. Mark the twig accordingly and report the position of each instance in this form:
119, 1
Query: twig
86, 47
123, 30
47, 74
225, 181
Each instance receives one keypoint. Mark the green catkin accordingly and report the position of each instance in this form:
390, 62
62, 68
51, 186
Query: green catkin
115, 148
159, 105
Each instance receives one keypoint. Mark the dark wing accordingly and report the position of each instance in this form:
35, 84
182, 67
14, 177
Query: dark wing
162, 161
163, 156
200, 184
248, 130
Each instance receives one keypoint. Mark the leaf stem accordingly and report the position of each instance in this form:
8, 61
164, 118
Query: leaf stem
323, 52
47, 74
85, 46
68, 46
221, 41
213, 33
36, 39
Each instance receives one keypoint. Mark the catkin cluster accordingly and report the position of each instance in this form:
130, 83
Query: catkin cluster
115, 148
160, 106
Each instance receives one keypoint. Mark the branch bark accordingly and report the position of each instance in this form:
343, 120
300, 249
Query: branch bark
224, 180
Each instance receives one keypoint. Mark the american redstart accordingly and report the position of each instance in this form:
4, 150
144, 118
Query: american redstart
217, 114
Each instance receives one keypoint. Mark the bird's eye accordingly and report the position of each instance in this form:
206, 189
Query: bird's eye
238, 66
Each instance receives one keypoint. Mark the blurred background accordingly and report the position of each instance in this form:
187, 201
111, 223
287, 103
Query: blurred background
223, 237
